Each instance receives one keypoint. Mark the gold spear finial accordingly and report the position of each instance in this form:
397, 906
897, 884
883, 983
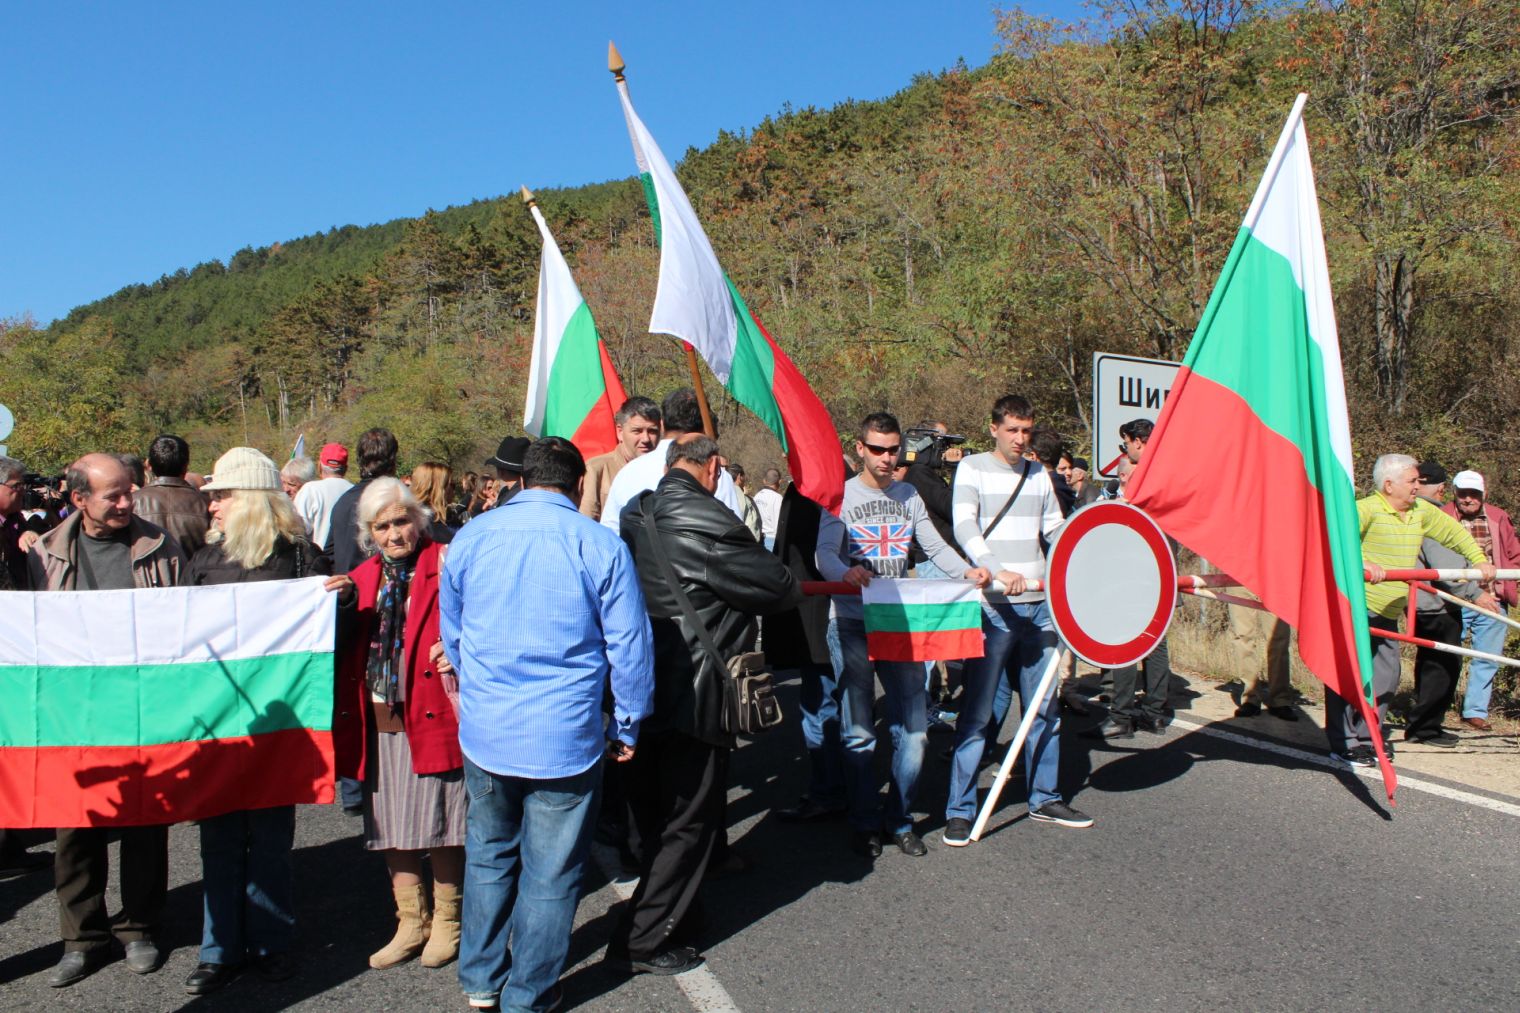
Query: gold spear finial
615, 62
527, 196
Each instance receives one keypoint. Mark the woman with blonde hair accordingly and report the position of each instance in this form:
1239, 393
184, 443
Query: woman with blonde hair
255, 535
431, 483
395, 726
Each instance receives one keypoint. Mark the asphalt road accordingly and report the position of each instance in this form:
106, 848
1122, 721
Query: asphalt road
1218, 876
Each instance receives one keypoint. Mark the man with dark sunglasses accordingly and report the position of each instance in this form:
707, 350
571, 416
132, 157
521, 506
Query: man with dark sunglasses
872, 537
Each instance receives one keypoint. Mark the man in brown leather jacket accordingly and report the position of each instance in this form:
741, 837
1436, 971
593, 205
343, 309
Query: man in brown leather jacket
169, 501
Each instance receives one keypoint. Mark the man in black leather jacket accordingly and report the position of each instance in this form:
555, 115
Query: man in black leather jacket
677, 780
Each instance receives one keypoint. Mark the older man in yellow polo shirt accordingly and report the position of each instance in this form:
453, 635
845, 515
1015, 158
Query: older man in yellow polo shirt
1394, 522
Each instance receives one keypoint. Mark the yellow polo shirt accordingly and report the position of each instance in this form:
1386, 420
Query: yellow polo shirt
1392, 540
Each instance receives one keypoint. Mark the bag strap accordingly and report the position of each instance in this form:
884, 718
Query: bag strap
671, 579
1024, 477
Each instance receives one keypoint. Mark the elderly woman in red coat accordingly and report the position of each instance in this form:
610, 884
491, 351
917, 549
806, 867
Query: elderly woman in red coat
395, 728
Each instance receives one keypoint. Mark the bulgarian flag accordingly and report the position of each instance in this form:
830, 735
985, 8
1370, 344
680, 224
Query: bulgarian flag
1250, 462
125, 708
573, 390
697, 303
922, 620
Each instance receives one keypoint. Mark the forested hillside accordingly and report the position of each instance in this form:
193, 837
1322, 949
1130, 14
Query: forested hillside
984, 230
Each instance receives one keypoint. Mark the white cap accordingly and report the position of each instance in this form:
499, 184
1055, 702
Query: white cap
243, 468
1469, 480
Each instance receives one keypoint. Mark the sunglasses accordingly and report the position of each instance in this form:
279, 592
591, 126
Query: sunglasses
873, 448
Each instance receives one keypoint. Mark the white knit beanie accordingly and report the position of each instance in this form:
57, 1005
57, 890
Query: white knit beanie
243, 468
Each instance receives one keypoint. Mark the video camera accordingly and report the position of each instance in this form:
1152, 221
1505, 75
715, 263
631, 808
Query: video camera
39, 492
929, 447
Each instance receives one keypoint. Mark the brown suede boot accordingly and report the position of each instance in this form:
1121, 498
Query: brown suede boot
443, 944
411, 933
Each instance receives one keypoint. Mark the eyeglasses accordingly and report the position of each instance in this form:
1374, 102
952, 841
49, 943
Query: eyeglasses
873, 448
14, 485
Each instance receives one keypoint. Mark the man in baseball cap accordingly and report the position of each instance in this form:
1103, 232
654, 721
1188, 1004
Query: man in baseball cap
316, 499
1492, 529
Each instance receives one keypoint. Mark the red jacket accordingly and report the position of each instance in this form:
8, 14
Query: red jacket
1506, 547
432, 729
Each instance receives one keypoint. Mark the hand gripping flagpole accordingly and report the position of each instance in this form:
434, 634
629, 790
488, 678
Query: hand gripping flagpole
617, 66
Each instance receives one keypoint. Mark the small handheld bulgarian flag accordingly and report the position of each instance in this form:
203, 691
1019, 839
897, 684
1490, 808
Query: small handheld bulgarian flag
126, 708
922, 620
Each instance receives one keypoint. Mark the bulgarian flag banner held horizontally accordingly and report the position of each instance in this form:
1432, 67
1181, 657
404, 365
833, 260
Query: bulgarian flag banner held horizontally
697, 303
573, 391
1262, 378
125, 708
922, 620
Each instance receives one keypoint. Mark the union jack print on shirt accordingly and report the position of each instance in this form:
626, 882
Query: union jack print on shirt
880, 541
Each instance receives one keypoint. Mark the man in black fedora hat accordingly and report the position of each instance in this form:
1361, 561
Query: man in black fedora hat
508, 463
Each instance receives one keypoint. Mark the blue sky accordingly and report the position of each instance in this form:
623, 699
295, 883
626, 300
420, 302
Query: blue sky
145, 137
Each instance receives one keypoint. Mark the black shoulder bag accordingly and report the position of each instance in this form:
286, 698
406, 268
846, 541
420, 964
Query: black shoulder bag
749, 692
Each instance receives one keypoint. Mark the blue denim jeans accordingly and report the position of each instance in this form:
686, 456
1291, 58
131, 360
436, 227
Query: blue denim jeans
1488, 635
248, 880
525, 851
1019, 636
820, 725
928, 569
902, 683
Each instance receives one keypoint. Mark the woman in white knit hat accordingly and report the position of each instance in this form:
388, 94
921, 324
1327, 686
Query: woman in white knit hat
255, 535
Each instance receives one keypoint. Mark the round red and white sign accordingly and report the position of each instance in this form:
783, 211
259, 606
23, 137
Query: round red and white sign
1111, 584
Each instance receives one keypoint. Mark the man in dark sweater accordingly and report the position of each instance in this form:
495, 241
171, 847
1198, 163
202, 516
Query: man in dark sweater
377, 458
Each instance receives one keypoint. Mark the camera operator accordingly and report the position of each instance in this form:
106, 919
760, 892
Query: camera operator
930, 455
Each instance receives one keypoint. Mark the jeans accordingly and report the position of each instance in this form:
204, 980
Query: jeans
820, 725
903, 685
525, 850
929, 570
1022, 635
1488, 635
249, 884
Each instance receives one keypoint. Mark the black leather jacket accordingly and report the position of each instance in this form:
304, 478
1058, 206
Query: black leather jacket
729, 577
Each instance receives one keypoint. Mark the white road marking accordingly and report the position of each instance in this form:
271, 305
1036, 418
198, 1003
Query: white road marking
1367, 773
702, 988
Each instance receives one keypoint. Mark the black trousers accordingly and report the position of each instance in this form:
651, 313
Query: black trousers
1157, 670
1435, 672
676, 789
80, 872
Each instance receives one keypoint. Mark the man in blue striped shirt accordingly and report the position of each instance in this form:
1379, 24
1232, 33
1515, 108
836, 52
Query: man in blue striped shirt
538, 606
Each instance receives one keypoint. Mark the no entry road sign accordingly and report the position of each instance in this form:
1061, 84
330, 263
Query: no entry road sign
1111, 584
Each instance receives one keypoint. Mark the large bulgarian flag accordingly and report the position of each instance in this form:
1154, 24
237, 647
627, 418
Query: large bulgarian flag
1250, 462
697, 303
922, 620
573, 390
123, 708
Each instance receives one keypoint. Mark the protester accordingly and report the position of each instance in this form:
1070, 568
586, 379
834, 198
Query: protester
681, 414
395, 728
294, 475
134, 466
1270, 681
508, 463
431, 482
878, 520
541, 614
13, 575
1439, 621
169, 501
768, 501
748, 512
1080, 477
101, 546
1394, 522
1133, 436
246, 869
1003, 507
638, 430
377, 459
1495, 534
317, 498
1049, 450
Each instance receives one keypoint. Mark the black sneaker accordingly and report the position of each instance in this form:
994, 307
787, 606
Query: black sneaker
957, 832
866, 843
677, 960
1061, 813
1282, 712
1249, 709
910, 844
1357, 756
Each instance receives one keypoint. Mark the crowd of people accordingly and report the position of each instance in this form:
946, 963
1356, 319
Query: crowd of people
540, 652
